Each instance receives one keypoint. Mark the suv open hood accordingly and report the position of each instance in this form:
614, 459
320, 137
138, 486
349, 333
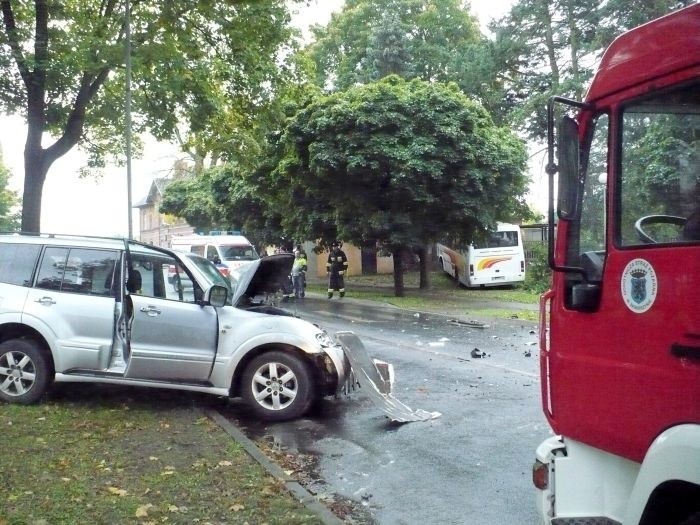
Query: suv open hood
266, 275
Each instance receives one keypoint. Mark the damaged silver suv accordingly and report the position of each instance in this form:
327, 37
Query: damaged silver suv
80, 309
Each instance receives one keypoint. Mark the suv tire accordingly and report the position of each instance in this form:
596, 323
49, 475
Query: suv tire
278, 386
24, 371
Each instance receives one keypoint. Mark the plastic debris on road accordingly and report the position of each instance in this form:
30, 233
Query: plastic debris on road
378, 377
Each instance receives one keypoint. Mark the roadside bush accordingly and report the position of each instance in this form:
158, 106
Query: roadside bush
538, 275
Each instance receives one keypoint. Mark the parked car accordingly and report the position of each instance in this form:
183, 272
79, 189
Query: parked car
79, 309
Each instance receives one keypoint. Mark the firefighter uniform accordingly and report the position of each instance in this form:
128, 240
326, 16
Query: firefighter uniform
336, 267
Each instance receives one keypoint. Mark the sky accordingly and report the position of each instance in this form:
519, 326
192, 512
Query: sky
99, 206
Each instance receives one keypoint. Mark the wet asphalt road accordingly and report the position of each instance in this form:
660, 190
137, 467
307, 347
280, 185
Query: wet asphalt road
470, 466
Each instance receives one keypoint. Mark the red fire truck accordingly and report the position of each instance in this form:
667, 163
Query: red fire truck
620, 327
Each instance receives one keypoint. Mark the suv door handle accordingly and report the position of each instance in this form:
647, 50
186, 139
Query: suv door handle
151, 311
46, 301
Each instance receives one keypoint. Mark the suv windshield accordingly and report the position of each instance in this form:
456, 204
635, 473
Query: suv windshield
212, 275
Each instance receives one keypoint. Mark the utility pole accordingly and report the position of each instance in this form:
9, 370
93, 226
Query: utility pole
127, 109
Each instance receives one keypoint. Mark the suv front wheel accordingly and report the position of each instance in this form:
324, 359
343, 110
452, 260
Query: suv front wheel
24, 372
278, 386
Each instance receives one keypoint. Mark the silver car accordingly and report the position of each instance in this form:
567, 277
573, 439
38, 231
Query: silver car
79, 309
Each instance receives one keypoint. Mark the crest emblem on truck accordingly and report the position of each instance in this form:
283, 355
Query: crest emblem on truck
639, 285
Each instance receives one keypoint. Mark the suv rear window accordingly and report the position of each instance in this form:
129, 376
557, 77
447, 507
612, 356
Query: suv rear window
17, 262
78, 270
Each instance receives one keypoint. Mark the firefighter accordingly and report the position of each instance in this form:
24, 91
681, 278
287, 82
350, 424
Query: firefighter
336, 267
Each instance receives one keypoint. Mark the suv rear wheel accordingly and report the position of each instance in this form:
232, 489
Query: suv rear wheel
278, 386
24, 371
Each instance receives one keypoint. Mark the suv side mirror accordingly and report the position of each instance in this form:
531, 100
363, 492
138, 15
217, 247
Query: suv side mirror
216, 295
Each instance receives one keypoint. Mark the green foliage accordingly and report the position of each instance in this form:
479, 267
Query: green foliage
433, 40
618, 16
201, 71
192, 199
542, 48
9, 202
538, 276
539, 47
402, 163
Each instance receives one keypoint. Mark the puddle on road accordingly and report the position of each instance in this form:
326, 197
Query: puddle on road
297, 436
291, 445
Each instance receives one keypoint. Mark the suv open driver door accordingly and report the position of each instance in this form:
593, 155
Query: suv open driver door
170, 336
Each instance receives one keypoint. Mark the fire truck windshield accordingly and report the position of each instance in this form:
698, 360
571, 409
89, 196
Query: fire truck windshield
660, 169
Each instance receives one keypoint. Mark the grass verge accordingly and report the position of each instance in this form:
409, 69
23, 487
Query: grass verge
98, 455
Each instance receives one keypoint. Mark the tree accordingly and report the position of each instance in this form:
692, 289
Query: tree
397, 163
369, 39
539, 47
239, 194
206, 66
618, 16
9, 217
548, 47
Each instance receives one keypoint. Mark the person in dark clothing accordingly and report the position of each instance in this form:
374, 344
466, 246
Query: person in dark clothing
336, 267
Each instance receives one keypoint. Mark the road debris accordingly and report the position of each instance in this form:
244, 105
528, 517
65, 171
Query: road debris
377, 379
476, 353
472, 323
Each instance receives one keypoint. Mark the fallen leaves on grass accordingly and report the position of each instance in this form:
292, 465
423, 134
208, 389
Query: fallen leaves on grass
142, 511
117, 491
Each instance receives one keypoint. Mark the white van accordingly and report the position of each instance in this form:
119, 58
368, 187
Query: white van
230, 251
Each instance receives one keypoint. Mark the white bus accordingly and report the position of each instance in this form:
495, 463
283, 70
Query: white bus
500, 261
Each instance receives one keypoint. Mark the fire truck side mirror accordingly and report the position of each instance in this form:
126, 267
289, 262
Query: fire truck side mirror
568, 160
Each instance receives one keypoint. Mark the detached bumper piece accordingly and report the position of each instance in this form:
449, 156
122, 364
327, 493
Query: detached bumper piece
378, 378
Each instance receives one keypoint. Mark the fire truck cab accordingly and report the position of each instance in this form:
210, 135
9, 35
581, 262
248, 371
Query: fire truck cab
620, 326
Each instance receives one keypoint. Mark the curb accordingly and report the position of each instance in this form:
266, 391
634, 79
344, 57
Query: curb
294, 487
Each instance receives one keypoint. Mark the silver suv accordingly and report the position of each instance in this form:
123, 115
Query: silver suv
80, 309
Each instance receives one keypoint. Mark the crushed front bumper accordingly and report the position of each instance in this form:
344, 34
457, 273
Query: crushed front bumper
377, 379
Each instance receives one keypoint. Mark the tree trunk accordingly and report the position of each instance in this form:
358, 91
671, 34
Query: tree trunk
34, 177
37, 162
546, 16
574, 47
423, 264
397, 254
